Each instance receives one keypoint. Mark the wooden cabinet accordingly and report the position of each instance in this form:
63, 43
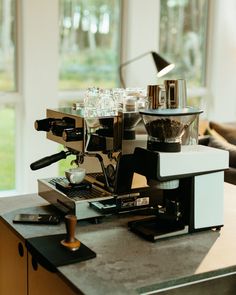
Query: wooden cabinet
13, 263
41, 281
18, 275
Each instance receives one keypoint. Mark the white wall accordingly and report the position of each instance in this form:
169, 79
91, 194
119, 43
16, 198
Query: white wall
38, 85
222, 62
140, 35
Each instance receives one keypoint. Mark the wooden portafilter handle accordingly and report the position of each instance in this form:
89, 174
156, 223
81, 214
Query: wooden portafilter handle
70, 242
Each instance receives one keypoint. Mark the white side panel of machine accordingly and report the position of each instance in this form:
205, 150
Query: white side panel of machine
193, 159
208, 200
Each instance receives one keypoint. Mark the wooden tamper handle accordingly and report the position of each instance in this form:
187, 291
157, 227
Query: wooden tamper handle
70, 242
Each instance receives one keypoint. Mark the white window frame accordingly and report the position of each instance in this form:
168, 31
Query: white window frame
14, 98
37, 70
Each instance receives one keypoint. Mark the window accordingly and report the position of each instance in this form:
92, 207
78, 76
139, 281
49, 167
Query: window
7, 98
89, 43
7, 45
89, 48
183, 33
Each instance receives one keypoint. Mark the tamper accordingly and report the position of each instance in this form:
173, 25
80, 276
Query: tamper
70, 242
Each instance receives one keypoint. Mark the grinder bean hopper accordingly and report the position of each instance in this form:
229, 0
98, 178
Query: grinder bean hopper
165, 127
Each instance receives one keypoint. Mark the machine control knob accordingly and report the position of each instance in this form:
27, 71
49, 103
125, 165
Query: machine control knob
43, 125
70, 242
56, 125
73, 134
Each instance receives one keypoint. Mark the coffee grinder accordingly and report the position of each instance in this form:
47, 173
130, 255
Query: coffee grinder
189, 178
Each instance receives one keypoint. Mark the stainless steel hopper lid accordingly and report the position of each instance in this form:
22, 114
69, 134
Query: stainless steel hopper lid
171, 112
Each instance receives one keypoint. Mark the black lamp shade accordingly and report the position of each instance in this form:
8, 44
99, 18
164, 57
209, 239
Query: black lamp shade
162, 66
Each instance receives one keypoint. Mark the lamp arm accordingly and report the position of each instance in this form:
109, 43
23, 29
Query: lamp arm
128, 62
134, 59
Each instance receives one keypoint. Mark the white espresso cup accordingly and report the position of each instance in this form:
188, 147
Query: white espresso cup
75, 175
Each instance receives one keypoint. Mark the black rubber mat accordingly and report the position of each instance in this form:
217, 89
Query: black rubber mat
48, 252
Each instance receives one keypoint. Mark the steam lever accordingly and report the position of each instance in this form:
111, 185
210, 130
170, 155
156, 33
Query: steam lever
46, 161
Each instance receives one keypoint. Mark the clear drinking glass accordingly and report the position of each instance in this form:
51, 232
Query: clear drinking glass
91, 102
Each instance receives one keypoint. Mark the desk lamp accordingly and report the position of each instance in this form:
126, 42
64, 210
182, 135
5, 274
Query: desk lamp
162, 66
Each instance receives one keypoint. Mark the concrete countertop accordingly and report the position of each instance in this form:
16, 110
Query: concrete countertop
127, 264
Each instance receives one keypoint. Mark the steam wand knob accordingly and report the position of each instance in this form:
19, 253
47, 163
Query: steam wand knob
70, 242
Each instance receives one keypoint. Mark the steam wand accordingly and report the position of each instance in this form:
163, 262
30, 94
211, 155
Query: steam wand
100, 159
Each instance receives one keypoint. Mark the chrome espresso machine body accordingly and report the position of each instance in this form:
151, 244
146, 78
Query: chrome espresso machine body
104, 147
138, 158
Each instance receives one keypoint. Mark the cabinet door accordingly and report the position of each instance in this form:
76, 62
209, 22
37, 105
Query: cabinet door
41, 281
13, 263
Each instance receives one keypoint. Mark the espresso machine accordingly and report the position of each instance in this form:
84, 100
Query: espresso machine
103, 143
144, 158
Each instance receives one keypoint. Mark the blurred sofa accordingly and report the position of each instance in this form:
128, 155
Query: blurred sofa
222, 136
